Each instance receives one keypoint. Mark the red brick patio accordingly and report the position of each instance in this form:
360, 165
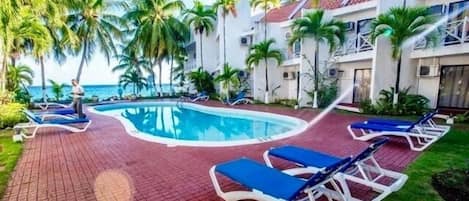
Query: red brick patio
107, 164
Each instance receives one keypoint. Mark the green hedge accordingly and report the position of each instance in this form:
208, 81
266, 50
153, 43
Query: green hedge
11, 114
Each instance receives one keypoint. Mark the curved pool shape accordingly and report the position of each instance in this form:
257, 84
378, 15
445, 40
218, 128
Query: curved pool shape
190, 124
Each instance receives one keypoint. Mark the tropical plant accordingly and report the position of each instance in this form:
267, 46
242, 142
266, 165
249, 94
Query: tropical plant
202, 80
263, 51
316, 26
408, 104
157, 32
12, 114
19, 77
228, 78
202, 19
266, 5
398, 25
227, 7
135, 79
57, 89
129, 60
96, 26
19, 27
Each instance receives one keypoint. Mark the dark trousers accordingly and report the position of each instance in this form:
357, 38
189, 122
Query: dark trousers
78, 107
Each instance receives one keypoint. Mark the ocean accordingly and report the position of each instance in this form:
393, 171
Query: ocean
102, 91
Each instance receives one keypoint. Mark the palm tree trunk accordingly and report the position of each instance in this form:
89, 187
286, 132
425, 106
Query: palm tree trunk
201, 53
82, 62
160, 70
316, 81
224, 39
398, 79
265, 24
43, 80
171, 76
266, 95
3, 72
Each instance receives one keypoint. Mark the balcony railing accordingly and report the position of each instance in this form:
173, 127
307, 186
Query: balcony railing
359, 43
288, 54
452, 33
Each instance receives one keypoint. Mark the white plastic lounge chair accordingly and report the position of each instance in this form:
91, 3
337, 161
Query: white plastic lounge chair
363, 168
60, 121
417, 137
49, 105
240, 98
266, 183
426, 123
202, 96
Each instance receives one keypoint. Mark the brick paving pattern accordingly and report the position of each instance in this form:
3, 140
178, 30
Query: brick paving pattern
105, 163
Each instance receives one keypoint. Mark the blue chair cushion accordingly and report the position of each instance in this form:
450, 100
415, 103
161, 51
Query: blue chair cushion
61, 111
305, 157
66, 121
390, 122
254, 175
380, 127
32, 116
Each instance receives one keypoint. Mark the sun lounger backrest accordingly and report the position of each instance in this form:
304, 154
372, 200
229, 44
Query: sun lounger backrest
326, 172
422, 120
240, 95
370, 150
31, 116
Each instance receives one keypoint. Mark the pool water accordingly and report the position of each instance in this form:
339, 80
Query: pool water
192, 122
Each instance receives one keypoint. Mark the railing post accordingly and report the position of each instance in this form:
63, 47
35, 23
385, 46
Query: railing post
464, 30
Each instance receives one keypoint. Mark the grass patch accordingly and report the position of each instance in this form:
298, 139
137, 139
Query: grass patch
9, 154
452, 151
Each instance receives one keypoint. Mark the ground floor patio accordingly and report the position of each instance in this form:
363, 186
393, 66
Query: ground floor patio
105, 163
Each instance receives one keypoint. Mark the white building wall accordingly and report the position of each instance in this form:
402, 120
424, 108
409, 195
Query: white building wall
347, 74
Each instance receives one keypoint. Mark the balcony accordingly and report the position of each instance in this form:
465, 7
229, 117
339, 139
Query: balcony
359, 43
290, 57
453, 39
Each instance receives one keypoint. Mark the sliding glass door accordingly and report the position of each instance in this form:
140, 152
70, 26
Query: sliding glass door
454, 87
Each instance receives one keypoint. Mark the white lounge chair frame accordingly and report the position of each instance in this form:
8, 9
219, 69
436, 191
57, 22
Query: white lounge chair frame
36, 126
45, 105
241, 101
312, 193
423, 140
367, 172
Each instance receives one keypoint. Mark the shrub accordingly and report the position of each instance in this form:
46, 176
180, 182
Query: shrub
366, 106
287, 102
327, 93
12, 113
452, 184
462, 118
22, 96
408, 104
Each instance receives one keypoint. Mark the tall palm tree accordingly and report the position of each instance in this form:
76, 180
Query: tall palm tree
157, 32
202, 19
19, 76
132, 77
316, 26
95, 26
228, 78
57, 89
130, 60
19, 27
266, 5
398, 25
227, 7
263, 51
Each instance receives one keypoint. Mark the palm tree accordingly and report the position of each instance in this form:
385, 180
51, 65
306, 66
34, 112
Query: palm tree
95, 27
19, 27
398, 25
202, 80
57, 89
133, 77
322, 30
266, 5
228, 78
201, 18
157, 32
263, 51
227, 7
129, 60
19, 76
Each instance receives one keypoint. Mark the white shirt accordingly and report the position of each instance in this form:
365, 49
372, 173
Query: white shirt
77, 90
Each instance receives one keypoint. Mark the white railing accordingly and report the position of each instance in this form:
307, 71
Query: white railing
288, 54
359, 43
452, 33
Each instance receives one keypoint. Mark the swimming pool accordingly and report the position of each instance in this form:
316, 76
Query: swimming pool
190, 124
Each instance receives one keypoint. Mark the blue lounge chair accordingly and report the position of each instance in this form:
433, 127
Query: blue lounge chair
266, 183
50, 105
240, 98
202, 96
425, 122
65, 122
59, 111
363, 168
418, 138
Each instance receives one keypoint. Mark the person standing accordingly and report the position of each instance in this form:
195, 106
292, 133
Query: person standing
77, 93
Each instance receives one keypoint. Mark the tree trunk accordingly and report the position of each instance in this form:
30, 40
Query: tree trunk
398, 78
43, 80
171, 76
160, 70
3, 72
265, 24
316, 81
82, 62
224, 39
266, 95
201, 53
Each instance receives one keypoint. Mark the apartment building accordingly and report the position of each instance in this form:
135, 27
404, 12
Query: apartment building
440, 73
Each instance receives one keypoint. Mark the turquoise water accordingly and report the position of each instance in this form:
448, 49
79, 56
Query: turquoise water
194, 124
102, 91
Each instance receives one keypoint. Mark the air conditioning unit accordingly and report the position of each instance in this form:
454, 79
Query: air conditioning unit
350, 26
333, 73
245, 41
428, 68
289, 75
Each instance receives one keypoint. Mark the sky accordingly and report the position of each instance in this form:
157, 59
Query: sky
97, 71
